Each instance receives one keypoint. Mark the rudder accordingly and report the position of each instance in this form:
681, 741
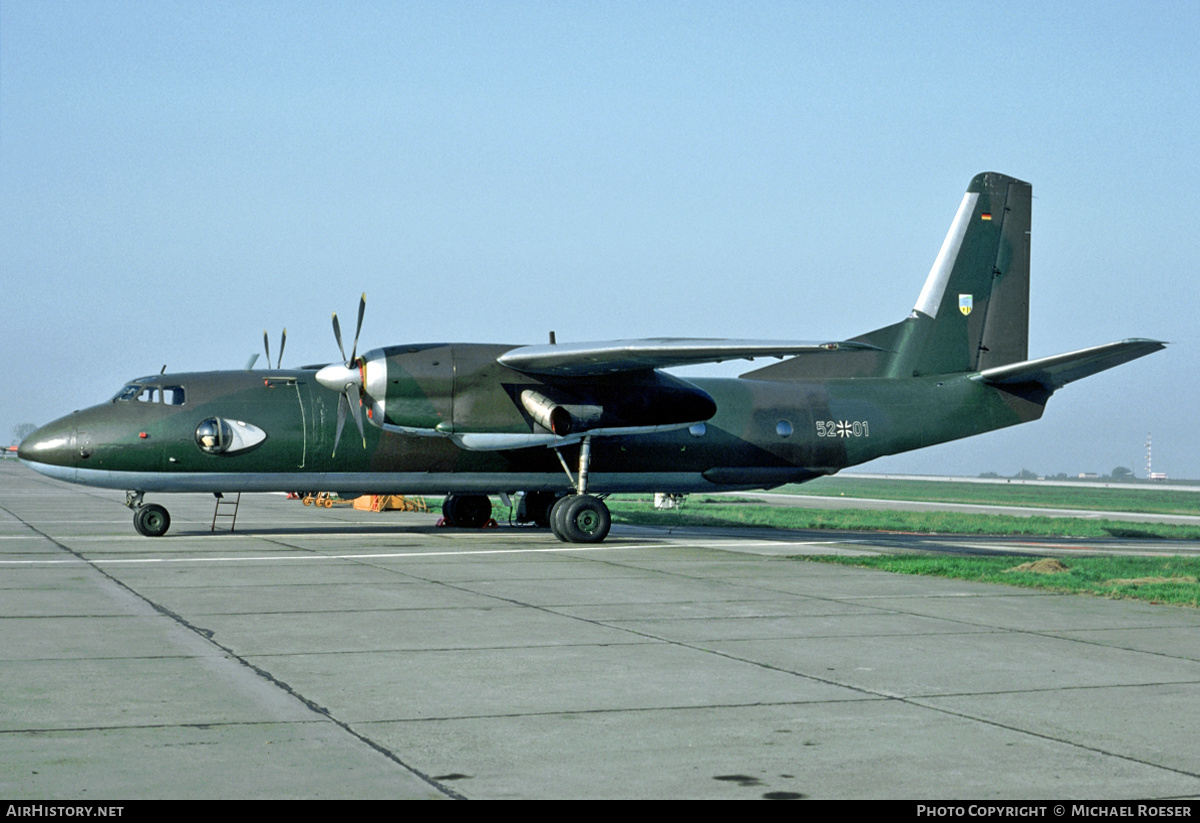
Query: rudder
977, 293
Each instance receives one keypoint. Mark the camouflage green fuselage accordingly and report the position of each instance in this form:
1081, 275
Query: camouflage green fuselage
713, 433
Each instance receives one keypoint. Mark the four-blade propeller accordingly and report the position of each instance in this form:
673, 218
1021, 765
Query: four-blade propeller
345, 378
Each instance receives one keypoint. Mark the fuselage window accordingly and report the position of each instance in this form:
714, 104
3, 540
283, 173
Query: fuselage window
173, 395
216, 435
783, 428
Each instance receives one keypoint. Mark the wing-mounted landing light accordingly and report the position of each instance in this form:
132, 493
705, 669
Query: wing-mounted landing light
347, 379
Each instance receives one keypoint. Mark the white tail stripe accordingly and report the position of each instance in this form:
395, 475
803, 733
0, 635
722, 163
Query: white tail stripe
939, 275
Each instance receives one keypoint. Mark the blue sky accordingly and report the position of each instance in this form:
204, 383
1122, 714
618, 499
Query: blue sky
176, 177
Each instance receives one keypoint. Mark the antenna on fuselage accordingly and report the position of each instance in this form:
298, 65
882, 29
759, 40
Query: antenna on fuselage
267, 346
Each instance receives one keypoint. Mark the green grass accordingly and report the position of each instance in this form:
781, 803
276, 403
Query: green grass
1131, 497
1169, 580
706, 511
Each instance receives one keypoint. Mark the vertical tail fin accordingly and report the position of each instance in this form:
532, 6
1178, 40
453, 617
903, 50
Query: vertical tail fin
977, 293
973, 312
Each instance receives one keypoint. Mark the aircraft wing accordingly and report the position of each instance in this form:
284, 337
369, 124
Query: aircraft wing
613, 356
1054, 372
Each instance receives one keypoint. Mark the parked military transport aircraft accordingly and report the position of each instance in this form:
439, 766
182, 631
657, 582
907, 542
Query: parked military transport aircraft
563, 422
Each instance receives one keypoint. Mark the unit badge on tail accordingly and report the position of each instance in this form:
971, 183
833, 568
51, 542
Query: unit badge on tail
965, 303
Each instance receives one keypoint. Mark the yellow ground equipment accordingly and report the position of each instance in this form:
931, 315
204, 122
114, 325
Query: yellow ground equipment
390, 502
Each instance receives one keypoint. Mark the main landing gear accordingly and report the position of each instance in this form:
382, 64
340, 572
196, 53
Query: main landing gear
534, 507
574, 518
580, 517
577, 517
470, 511
150, 519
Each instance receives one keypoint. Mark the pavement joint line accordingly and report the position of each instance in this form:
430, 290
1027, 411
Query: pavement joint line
287, 688
916, 701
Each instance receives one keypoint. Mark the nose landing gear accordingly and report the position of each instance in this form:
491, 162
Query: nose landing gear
150, 520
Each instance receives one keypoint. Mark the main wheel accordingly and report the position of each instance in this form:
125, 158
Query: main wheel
151, 520
585, 520
557, 514
537, 508
470, 511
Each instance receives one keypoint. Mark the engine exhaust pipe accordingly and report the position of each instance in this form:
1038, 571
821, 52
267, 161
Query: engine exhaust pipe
561, 420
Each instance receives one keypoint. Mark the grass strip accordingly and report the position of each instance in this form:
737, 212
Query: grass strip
1159, 580
705, 511
1131, 497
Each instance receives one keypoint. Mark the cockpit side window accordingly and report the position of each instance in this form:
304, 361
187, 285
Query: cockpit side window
171, 395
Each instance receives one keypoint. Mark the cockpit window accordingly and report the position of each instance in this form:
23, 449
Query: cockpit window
171, 395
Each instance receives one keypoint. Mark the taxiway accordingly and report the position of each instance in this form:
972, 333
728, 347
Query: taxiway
340, 653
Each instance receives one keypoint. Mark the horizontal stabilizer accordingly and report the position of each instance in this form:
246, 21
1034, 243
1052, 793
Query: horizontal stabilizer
613, 356
1052, 373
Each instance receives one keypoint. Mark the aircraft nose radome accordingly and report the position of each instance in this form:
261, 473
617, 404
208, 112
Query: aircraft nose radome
52, 444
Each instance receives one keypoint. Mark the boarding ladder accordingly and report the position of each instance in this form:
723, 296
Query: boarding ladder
223, 509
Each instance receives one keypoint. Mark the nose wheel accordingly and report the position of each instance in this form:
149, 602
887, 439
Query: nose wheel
150, 519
